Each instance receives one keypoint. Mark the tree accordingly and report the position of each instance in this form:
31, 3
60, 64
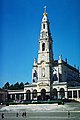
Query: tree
6, 86
16, 86
12, 87
27, 83
21, 85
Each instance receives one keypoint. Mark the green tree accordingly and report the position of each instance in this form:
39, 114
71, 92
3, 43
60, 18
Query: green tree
21, 85
16, 86
12, 87
6, 86
26, 83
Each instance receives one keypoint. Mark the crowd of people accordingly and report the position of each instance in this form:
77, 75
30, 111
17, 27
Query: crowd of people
17, 115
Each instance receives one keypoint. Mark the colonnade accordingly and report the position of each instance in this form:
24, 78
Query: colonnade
74, 94
43, 95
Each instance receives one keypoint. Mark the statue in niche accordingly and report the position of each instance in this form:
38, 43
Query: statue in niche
43, 72
35, 77
54, 74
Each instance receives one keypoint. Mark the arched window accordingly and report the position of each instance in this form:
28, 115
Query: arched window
43, 34
43, 46
43, 26
34, 93
28, 95
55, 94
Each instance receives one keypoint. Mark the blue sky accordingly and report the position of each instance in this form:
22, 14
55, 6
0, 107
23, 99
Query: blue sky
20, 23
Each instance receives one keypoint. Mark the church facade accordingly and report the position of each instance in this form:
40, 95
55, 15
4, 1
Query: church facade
51, 79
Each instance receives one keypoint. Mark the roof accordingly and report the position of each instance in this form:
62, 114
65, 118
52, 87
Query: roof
55, 63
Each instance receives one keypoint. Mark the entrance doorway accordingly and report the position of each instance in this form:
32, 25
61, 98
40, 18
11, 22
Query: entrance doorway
28, 95
43, 94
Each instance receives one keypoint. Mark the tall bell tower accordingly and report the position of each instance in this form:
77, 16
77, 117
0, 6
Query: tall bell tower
45, 52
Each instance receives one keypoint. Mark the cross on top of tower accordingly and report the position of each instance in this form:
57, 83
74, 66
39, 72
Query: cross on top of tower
45, 11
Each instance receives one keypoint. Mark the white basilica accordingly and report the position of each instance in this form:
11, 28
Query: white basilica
51, 79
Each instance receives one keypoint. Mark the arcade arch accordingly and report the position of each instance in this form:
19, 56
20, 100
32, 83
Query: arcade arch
55, 95
62, 93
34, 93
43, 94
28, 95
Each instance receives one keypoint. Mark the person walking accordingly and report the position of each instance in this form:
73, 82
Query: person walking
68, 114
17, 115
2, 115
25, 114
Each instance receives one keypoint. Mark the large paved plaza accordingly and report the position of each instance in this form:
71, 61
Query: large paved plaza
70, 111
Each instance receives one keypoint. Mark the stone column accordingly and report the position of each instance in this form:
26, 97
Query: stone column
11, 96
31, 95
77, 94
72, 94
58, 95
24, 96
15, 96
66, 93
